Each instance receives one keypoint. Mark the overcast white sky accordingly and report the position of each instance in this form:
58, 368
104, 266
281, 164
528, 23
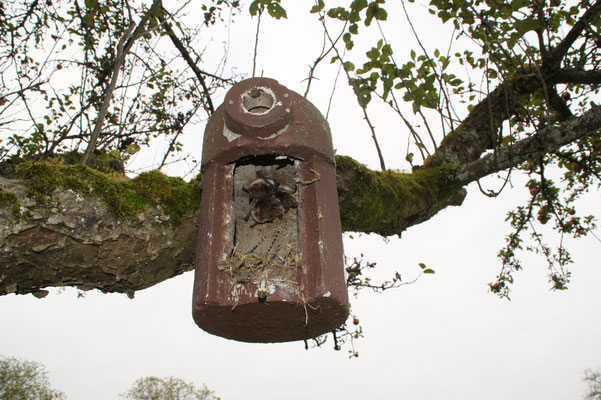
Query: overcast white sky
444, 336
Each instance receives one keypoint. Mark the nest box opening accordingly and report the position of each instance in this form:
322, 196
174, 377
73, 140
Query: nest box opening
258, 100
265, 250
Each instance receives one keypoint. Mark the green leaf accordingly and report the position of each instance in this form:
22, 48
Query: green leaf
526, 25
381, 14
422, 265
91, 3
373, 54
387, 51
346, 38
338, 13
429, 271
359, 5
318, 7
254, 8
88, 20
276, 10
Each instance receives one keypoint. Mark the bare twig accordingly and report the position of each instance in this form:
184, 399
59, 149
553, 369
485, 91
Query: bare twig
257, 40
123, 47
186, 55
323, 54
334, 88
363, 106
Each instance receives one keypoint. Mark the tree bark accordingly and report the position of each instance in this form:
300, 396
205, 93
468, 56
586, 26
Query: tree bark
88, 241
75, 239
86, 236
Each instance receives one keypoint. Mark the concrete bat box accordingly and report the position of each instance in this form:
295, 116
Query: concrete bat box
269, 261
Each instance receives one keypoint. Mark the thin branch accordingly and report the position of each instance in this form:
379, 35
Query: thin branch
186, 55
323, 54
410, 92
108, 96
183, 122
257, 40
418, 140
123, 47
432, 65
539, 31
28, 14
492, 193
558, 53
334, 88
363, 106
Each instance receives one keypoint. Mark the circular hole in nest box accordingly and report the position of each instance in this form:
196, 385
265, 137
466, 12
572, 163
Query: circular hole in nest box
257, 101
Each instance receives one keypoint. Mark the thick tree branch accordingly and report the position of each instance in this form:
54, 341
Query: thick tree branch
388, 202
75, 239
102, 241
577, 76
72, 241
479, 130
548, 140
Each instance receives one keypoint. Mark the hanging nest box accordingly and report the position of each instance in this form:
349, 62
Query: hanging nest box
269, 262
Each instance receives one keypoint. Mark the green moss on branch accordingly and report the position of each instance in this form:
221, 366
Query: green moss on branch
384, 201
173, 194
125, 197
9, 201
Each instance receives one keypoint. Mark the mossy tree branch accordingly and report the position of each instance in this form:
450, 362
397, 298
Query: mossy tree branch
69, 225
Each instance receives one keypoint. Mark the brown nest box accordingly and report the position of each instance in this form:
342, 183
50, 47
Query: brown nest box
269, 262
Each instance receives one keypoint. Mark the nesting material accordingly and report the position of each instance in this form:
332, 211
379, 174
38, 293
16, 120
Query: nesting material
264, 249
